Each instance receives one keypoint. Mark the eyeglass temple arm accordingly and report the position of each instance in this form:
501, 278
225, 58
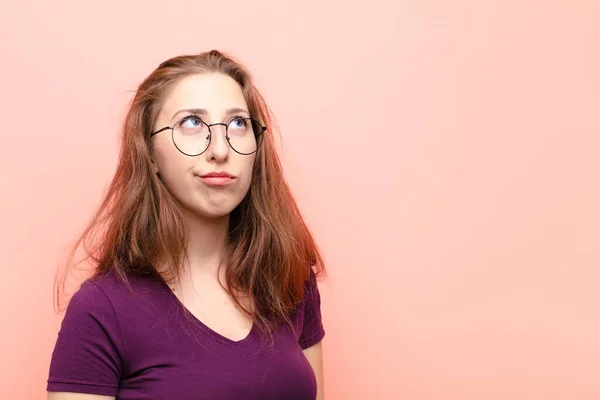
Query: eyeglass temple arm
160, 130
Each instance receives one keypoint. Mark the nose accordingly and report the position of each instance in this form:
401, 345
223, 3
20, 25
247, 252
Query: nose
218, 149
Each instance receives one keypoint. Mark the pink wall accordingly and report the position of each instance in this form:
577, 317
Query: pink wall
445, 154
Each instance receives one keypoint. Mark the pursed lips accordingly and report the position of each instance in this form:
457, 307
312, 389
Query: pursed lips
217, 178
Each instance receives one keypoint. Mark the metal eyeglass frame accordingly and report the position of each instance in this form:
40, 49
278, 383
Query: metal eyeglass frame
253, 122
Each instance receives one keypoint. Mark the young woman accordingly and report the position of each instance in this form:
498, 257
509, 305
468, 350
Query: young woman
205, 274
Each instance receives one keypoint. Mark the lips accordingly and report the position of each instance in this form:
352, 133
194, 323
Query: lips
218, 174
218, 178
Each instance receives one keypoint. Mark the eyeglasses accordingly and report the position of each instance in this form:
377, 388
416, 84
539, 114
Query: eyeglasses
192, 136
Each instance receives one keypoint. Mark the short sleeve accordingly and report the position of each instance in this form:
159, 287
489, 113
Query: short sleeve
86, 357
312, 328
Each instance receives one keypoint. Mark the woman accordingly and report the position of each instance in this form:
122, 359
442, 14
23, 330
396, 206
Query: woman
204, 284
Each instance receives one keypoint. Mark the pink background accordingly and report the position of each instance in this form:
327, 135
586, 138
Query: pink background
446, 155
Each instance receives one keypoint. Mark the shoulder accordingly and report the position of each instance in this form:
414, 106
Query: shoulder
123, 309
111, 296
92, 303
310, 319
124, 288
311, 288
89, 350
89, 297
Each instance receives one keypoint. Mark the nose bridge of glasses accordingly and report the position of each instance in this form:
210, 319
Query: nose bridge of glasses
215, 138
211, 127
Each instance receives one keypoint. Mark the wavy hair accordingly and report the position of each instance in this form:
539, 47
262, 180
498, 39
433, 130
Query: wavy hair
139, 228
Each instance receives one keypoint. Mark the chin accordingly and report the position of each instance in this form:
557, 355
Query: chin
215, 212
211, 210
206, 213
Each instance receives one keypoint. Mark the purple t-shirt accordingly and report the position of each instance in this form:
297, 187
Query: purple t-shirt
141, 344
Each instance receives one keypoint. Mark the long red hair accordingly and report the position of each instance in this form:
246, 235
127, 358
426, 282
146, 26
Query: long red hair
139, 225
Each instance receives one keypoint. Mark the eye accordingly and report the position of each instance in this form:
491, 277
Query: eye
191, 122
238, 123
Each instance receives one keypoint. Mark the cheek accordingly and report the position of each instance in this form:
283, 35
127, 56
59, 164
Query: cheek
248, 169
246, 179
172, 166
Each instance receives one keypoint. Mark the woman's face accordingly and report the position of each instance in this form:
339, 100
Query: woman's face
214, 98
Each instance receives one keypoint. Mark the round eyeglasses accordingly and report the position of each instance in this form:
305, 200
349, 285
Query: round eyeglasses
192, 136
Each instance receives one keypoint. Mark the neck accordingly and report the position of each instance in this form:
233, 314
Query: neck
206, 244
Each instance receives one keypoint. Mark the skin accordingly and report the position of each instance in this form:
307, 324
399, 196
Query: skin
206, 208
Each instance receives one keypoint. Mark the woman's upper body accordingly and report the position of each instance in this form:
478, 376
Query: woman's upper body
138, 342
205, 278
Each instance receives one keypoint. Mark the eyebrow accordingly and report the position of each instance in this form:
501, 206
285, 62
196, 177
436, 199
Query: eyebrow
203, 111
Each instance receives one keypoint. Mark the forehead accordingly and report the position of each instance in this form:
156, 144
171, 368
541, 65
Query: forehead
214, 92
